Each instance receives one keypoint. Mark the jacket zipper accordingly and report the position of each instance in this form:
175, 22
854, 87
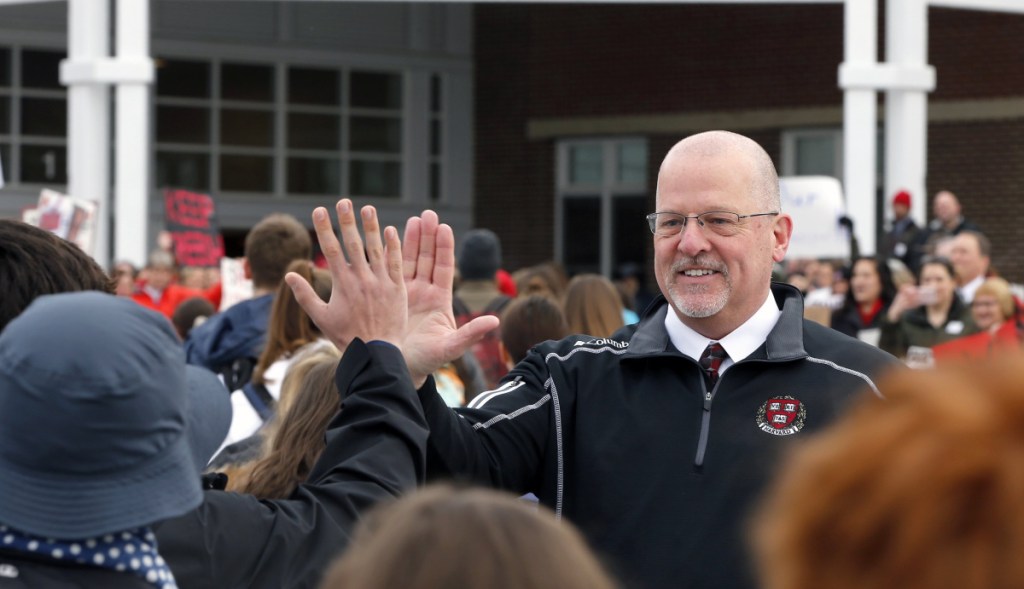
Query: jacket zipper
705, 422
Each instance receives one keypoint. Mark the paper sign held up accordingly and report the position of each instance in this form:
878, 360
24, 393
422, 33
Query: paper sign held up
190, 219
816, 205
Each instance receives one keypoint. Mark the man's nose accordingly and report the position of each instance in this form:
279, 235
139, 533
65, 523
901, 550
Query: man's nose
692, 239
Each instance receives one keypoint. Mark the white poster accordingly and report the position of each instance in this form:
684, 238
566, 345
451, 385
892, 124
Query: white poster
816, 205
235, 286
73, 219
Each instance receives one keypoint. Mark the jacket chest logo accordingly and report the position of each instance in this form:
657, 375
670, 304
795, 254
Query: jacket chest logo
781, 416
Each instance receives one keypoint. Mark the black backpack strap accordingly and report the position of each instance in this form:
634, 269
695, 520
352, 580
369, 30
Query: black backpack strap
459, 307
497, 304
260, 399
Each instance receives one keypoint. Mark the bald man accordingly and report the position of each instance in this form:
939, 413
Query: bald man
654, 446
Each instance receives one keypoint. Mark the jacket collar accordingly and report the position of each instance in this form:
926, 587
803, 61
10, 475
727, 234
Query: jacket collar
784, 342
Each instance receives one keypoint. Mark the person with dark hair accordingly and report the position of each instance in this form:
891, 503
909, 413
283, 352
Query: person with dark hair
921, 490
694, 404
528, 321
231, 342
479, 260
190, 314
500, 543
630, 278
926, 315
971, 254
35, 262
867, 300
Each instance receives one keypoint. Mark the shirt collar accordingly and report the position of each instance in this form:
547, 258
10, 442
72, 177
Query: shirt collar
739, 344
967, 291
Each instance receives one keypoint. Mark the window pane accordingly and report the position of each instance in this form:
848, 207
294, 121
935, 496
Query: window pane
182, 124
585, 164
247, 82
41, 69
186, 79
375, 178
435, 182
246, 173
5, 115
314, 176
375, 134
581, 234
44, 116
44, 164
376, 90
183, 170
247, 127
309, 131
5, 67
630, 234
435, 93
815, 155
632, 159
5, 162
313, 86
435, 137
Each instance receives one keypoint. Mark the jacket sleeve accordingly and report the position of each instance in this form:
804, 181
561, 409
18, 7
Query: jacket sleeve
502, 438
375, 450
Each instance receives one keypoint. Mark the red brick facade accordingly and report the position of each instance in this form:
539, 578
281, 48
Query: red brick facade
537, 62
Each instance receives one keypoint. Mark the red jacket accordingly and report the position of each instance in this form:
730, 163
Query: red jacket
174, 295
979, 345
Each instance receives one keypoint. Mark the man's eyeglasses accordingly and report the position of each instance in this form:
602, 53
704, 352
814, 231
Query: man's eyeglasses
720, 222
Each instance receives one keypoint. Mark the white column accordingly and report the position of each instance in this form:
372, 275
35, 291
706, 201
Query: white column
88, 119
906, 102
859, 118
133, 147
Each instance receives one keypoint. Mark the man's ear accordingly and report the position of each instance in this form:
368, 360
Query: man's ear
782, 229
246, 268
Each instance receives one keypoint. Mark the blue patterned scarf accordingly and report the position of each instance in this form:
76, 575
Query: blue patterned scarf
131, 551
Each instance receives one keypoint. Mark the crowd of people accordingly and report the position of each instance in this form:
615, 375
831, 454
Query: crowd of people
335, 428
918, 299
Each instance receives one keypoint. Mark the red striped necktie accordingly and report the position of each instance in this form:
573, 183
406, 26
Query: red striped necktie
711, 361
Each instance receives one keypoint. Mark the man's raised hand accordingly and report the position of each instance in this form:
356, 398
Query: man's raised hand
428, 265
368, 293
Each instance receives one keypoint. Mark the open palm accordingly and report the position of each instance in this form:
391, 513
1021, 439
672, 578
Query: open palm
428, 266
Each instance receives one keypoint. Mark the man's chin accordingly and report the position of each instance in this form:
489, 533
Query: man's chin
698, 307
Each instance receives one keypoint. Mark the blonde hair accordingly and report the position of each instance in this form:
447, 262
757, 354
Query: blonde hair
1000, 289
294, 439
921, 490
593, 306
442, 537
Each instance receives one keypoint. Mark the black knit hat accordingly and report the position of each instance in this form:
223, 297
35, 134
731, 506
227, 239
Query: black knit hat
480, 256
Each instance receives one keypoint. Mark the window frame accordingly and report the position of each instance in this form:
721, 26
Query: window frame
607, 190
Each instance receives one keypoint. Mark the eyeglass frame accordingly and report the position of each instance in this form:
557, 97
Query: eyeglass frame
653, 217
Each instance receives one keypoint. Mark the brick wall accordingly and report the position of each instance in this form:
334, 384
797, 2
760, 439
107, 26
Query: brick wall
570, 60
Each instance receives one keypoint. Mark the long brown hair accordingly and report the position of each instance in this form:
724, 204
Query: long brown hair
921, 490
289, 328
500, 543
295, 438
593, 306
